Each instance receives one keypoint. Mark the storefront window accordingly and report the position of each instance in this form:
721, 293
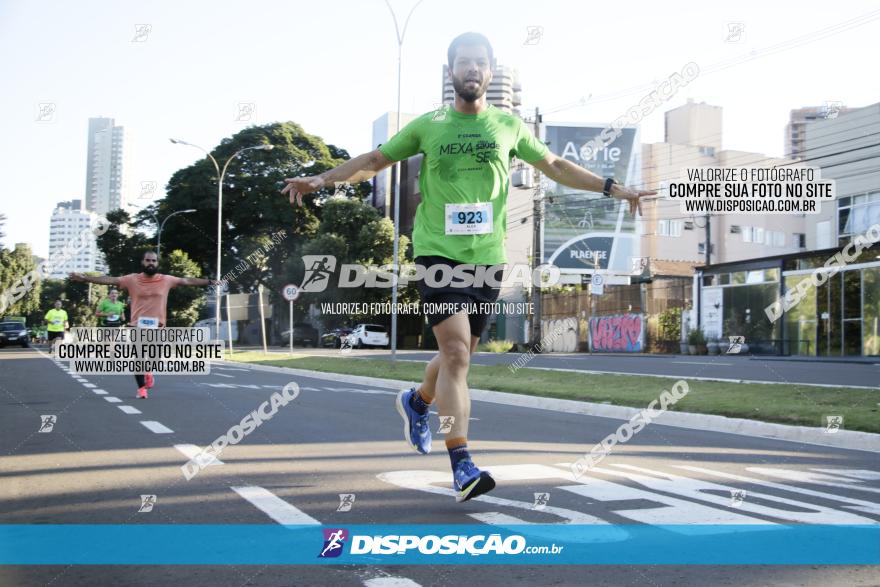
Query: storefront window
744, 315
800, 321
871, 311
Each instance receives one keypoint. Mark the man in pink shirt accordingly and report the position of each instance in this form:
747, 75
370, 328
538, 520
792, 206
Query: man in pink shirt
148, 295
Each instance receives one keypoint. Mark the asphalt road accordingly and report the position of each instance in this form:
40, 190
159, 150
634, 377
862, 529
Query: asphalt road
336, 438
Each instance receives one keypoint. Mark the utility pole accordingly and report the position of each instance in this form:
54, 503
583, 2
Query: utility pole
537, 226
708, 239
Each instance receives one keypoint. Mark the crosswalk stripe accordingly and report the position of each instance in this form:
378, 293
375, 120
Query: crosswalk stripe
274, 507
865, 506
390, 582
156, 427
857, 473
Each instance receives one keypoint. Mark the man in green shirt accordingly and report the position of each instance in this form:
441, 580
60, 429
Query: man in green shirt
56, 319
460, 226
111, 311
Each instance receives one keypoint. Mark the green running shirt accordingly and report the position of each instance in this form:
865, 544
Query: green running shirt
108, 307
467, 161
56, 320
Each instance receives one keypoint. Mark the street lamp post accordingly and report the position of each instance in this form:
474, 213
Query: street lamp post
395, 267
161, 226
220, 175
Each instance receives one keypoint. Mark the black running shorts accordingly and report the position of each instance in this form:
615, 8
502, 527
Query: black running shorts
442, 300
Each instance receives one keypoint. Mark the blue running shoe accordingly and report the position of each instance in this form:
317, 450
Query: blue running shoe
469, 481
415, 425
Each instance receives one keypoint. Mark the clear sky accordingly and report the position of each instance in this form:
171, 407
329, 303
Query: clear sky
331, 66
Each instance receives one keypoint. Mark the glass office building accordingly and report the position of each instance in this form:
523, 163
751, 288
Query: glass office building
839, 317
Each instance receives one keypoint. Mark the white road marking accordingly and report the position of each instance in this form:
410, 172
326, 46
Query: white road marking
129, 409
714, 364
428, 481
816, 478
90, 385
390, 582
193, 452
357, 390
698, 489
156, 427
857, 504
231, 369
99, 391
113, 400
274, 507
857, 473
222, 375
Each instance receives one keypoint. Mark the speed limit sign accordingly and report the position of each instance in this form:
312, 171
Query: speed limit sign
290, 292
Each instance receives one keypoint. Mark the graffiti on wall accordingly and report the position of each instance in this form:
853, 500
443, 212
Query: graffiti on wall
559, 336
618, 333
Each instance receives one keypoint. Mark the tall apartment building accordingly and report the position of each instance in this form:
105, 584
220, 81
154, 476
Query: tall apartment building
504, 91
795, 130
69, 221
693, 139
384, 128
105, 168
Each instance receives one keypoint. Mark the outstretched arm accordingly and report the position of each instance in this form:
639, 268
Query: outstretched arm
575, 176
197, 281
100, 279
361, 168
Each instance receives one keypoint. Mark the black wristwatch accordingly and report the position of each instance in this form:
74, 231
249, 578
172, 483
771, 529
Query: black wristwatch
608, 183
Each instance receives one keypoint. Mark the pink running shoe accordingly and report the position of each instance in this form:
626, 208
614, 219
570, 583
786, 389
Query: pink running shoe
142, 393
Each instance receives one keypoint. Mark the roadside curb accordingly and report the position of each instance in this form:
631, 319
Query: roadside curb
845, 439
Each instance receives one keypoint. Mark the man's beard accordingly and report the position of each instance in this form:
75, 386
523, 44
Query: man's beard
467, 94
151, 270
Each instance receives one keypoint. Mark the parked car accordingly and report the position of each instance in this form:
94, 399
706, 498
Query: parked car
369, 335
333, 339
303, 335
14, 333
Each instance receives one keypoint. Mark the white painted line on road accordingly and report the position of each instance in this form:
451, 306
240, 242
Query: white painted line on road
113, 400
222, 375
391, 582
90, 385
99, 391
356, 390
231, 369
156, 427
712, 364
129, 409
762, 504
816, 478
191, 451
857, 473
864, 506
274, 507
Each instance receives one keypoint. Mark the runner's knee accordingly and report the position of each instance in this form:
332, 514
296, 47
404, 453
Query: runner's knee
455, 354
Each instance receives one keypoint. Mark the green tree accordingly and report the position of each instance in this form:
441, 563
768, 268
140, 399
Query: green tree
253, 208
353, 232
122, 245
20, 283
184, 303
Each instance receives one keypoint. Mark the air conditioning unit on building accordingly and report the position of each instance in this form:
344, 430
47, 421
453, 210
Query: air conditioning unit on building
522, 177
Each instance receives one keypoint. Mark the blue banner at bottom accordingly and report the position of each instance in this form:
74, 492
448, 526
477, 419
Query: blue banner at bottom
533, 544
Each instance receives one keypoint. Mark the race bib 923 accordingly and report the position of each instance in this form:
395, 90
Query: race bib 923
469, 218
